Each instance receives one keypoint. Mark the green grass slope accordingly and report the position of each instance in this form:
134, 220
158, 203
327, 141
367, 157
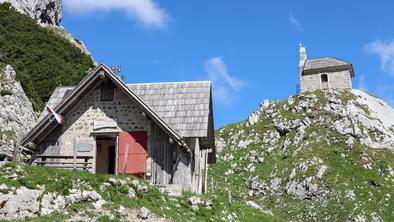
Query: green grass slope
42, 59
61, 182
314, 177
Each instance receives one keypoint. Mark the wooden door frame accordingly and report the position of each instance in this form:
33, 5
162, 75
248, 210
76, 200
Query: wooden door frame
116, 153
113, 135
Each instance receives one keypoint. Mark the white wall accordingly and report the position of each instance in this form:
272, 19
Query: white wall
336, 80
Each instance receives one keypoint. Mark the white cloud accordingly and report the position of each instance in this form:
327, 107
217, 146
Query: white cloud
385, 51
146, 12
224, 84
293, 21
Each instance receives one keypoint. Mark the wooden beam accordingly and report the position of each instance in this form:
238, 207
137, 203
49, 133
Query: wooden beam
63, 157
32, 158
117, 155
74, 152
71, 167
53, 162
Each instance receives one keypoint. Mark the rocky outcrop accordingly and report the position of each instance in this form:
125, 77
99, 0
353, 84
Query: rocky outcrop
20, 204
16, 112
361, 117
317, 149
75, 198
43, 11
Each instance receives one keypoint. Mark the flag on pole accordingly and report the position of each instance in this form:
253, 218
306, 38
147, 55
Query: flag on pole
58, 117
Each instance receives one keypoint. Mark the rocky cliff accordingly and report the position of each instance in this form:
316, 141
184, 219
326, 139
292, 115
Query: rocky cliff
321, 156
16, 112
43, 11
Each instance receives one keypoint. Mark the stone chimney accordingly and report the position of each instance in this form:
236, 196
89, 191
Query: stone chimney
303, 56
303, 59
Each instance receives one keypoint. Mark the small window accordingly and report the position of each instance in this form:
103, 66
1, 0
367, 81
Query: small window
107, 92
324, 78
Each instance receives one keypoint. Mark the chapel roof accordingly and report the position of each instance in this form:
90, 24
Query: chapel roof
327, 63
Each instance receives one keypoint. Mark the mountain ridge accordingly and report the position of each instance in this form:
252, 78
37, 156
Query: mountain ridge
43, 11
318, 156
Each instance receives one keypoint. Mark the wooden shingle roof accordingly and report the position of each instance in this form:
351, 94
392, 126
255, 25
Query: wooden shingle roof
184, 106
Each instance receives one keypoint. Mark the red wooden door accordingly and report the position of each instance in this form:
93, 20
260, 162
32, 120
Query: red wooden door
132, 160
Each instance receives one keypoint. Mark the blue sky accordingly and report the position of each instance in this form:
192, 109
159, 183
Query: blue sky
248, 48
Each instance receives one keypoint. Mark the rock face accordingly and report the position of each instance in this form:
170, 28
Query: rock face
318, 149
75, 197
23, 203
43, 11
361, 117
16, 112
